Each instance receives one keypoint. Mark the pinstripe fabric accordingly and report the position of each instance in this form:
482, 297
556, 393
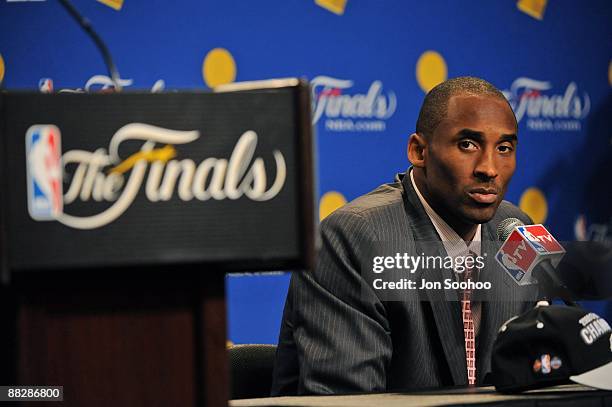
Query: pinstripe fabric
337, 336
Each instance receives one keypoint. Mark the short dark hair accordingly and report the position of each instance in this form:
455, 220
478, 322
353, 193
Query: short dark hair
435, 105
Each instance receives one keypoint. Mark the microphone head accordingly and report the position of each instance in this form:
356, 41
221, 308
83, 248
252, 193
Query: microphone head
506, 226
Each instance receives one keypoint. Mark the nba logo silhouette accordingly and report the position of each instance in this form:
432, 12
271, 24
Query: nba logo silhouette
45, 85
533, 239
44, 171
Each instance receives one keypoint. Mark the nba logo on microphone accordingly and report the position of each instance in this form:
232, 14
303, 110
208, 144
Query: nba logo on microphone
44, 171
525, 248
516, 257
540, 239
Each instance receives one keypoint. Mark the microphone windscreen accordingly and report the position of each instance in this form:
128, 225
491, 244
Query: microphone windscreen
506, 227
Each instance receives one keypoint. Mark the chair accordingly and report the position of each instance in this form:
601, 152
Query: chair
251, 370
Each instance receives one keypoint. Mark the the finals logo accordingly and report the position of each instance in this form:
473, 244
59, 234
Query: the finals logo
97, 83
342, 109
545, 110
104, 176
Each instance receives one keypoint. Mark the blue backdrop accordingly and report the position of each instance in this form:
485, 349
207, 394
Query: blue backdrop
371, 63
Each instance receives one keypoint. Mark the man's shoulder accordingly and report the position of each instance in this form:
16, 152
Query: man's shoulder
386, 199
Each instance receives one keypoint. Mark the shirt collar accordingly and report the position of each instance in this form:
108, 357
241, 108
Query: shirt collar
453, 243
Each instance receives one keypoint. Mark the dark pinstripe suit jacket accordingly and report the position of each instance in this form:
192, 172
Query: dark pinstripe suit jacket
337, 337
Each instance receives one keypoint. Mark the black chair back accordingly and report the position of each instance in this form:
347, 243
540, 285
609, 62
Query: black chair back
251, 370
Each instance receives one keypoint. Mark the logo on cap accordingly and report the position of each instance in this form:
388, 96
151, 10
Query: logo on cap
545, 364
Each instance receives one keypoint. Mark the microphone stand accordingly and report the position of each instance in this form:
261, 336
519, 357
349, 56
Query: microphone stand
86, 25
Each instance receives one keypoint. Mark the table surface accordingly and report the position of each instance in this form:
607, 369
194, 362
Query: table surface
572, 393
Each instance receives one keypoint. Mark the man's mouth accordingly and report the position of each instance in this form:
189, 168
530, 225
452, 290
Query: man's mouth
483, 195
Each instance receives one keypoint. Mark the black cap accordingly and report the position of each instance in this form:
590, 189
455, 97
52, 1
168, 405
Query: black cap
551, 345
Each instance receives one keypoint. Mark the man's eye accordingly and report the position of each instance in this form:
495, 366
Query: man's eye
504, 148
467, 145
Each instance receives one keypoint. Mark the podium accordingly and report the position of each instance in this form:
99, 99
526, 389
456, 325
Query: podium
121, 214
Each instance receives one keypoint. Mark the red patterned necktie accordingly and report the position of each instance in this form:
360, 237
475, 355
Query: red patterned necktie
468, 330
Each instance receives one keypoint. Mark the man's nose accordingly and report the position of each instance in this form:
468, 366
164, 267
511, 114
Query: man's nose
485, 166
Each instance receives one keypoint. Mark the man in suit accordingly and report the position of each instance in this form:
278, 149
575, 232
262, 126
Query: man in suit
340, 334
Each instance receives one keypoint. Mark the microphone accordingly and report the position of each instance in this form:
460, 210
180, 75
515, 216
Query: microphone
530, 255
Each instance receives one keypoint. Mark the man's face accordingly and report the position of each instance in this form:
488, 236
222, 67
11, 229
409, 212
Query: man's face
470, 159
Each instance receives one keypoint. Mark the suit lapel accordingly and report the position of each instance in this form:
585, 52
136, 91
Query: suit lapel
446, 311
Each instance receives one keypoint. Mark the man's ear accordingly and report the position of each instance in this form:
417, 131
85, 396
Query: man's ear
416, 150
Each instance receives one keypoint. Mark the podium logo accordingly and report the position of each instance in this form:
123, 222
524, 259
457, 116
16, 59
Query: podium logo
104, 176
44, 172
346, 111
544, 110
97, 83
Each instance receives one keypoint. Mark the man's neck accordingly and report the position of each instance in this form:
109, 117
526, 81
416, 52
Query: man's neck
466, 231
